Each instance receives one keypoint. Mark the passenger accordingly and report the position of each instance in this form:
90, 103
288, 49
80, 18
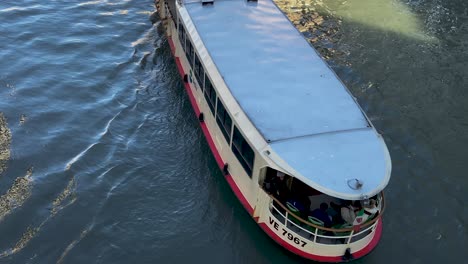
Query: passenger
371, 207
269, 185
365, 212
348, 212
368, 211
282, 190
322, 215
277, 187
334, 212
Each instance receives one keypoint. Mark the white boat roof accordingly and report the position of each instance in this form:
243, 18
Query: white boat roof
331, 162
278, 79
292, 97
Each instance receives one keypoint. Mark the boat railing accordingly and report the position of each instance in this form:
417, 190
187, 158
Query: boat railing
326, 235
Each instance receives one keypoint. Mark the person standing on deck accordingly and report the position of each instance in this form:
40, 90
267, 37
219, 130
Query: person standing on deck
281, 186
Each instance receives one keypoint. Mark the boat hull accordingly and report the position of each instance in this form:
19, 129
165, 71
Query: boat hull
263, 217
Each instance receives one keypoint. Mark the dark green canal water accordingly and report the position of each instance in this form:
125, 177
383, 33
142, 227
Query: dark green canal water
103, 160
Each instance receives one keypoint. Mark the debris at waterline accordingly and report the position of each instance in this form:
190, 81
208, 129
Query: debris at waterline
5, 139
64, 199
18, 193
67, 194
318, 24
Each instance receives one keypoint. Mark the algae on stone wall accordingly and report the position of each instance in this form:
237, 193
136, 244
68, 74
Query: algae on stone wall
5, 139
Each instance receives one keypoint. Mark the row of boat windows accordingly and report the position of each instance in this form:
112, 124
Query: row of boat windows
240, 147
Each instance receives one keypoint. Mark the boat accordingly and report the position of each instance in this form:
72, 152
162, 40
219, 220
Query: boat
293, 143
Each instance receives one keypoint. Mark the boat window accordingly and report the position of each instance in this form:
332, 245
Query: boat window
199, 71
224, 120
243, 151
182, 35
189, 51
210, 95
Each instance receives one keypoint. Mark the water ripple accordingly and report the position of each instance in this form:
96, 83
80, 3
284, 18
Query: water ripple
123, 173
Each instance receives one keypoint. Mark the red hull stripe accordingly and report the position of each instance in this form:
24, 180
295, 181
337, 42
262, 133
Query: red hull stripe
209, 139
171, 44
358, 254
244, 201
367, 249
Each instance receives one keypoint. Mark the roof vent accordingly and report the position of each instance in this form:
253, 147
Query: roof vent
355, 184
207, 2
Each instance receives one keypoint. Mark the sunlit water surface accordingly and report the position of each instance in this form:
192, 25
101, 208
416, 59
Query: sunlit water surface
107, 163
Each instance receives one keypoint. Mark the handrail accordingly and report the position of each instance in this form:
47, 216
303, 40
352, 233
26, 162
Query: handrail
317, 234
334, 229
